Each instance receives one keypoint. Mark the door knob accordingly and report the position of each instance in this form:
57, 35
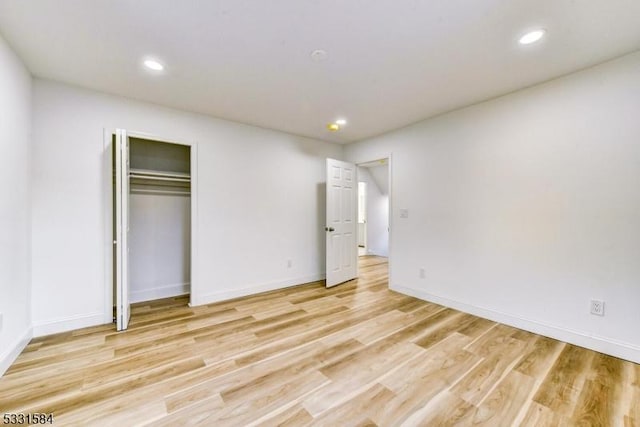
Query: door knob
329, 229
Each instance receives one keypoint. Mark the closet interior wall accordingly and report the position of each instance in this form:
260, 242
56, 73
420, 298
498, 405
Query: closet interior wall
159, 212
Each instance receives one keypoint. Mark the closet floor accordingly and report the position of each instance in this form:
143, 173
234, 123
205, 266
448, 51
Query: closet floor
355, 354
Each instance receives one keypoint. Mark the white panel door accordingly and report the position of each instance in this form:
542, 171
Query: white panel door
341, 229
123, 307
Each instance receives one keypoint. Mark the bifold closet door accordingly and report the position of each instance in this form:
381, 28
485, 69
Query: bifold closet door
123, 307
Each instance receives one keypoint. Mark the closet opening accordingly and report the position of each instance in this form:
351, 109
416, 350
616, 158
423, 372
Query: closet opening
152, 207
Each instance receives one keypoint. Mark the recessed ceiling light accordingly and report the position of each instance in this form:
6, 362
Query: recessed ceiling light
333, 127
341, 122
532, 36
153, 65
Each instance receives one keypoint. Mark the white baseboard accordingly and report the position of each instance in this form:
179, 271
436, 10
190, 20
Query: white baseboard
8, 356
70, 323
605, 345
159, 292
251, 290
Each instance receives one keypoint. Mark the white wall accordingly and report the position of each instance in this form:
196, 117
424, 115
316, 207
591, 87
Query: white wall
377, 209
525, 207
260, 202
15, 142
159, 244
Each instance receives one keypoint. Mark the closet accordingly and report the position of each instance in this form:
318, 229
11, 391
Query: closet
152, 206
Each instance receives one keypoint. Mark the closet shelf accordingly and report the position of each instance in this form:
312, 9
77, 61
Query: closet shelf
160, 192
159, 175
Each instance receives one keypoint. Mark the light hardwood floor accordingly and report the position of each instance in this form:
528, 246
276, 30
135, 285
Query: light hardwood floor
354, 355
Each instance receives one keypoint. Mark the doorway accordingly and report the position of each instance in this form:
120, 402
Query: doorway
373, 208
362, 218
342, 215
153, 199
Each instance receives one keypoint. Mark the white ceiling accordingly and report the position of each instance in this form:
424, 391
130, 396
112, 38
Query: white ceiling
390, 62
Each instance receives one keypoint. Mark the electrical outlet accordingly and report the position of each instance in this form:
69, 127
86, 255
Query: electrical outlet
422, 273
289, 263
597, 307
404, 213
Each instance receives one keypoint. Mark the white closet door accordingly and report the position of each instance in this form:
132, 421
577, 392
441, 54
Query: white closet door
123, 307
341, 257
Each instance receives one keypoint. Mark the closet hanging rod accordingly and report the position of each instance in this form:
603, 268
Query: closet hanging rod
159, 178
160, 192
155, 183
156, 173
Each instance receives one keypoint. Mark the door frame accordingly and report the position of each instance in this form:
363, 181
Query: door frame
366, 190
389, 158
108, 213
121, 239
